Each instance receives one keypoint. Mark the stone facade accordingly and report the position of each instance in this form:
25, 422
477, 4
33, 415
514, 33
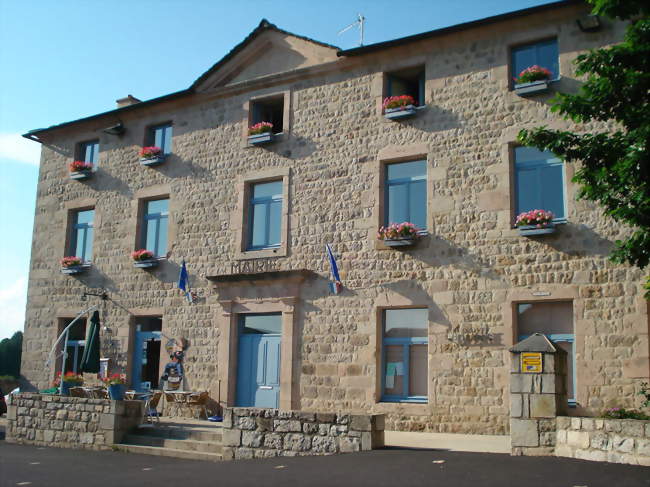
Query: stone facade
604, 440
469, 271
265, 433
70, 422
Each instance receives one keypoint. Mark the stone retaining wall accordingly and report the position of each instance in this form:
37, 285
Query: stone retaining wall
69, 422
263, 433
604, 440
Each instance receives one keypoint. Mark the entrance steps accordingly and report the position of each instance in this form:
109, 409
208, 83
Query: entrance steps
192, 440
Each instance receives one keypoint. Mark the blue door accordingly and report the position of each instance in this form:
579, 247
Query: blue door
258, 370
144, 359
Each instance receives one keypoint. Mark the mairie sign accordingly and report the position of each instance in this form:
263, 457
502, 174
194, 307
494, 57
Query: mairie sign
531, 362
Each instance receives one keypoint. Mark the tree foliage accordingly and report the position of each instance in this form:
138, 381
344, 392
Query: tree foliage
10, 354
615, 170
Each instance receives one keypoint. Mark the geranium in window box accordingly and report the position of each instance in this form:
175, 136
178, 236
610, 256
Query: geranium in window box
116, 385
73, 265
151, 156
396, 107
70, 379
535, 222
80, 170
144, 258
260, 133
532, 80
398, 234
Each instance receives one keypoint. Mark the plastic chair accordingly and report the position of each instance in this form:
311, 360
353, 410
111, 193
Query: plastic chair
78, 392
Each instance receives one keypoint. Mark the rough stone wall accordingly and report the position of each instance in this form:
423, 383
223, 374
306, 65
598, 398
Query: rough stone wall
468, 271
264, 433
69, 422
604, 440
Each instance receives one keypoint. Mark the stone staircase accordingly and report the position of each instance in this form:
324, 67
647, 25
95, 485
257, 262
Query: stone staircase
198, 440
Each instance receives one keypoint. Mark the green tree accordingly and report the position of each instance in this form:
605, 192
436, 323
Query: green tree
10, 355
615, 161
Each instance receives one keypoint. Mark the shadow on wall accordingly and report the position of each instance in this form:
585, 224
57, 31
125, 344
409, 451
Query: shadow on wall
579, 241
175, 167
414, 291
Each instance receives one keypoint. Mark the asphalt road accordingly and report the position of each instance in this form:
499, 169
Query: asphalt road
53, 467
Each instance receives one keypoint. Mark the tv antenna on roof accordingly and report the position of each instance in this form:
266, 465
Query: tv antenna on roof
360, 20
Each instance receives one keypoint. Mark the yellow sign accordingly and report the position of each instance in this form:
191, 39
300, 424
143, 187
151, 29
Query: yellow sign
531, 363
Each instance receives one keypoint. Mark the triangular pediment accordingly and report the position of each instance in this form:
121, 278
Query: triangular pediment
266, 51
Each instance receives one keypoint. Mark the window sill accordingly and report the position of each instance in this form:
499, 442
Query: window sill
280, 251
533, 88
403, 401
76, 269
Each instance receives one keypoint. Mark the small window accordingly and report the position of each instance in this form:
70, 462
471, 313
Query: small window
543, 54
89, 152
268, 110
555, 320
81, 241
262, 324
265, 215
406, 193
539, 182
404, 355
161, 136
407, 82
154, 236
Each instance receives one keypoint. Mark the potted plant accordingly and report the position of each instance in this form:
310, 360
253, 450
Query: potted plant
73, 265
144, 258
396, 107
260, 133
70, 379
535, 222
80, 169
151, 156
398, 234
532, 80
116, 385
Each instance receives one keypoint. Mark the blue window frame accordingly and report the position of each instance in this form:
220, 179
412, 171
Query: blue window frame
404, 355
81, 243
543, 53
406, 193
555, 320
539, 182
161, 136
265, 215
156, 216
89, 151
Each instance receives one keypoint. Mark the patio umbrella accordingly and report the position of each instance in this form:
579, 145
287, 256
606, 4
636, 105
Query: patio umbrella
90, 357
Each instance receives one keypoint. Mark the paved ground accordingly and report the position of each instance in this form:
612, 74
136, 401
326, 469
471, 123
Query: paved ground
53, 467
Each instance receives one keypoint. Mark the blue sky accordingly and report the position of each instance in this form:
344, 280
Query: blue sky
66, 59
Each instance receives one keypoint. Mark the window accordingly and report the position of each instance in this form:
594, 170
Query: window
268, 110
544, 54
74, 345
555, 320
261, 324
265, 215
81, 241
539, 182
407, 82
404, 355
89, 152
154, 236
406, 193
161, 136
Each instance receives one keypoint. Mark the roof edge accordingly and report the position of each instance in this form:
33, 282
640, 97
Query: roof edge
458, 27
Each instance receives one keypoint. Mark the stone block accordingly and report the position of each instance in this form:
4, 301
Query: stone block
273, 440
587, 424
252, 439
118, 407
379, 421
563, 422
297, 442
48, 436
323, 429
325, 417
563, 451
516, 408
600, 441
286, 425
231, 437
643, 447
560, 437
578, 439
264, 424
310, 428
575, 423
12, 413
107, 421
361, 422
549, 385
324, 444
243, 453
595, 456
632, 428
524, 432
349, 445
613, 425
246, 423
622, 444
265, 453
227, 418
542, 405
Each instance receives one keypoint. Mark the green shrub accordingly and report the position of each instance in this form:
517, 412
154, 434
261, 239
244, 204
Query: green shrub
622, 413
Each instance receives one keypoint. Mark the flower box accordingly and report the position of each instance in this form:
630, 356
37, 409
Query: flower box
531, 230
400, 112
400, 242
152, 161
261, 139
75, 269
79, 175
144, 264
532, 88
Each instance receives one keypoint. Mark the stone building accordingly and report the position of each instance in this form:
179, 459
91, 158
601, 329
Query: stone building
418, 332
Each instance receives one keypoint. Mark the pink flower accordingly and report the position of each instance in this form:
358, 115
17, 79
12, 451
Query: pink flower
398, 101
142, 254
77, 166
150, 152
260, 128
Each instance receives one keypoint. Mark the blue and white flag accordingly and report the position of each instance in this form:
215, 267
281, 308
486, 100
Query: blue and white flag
336, 285
184, 282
